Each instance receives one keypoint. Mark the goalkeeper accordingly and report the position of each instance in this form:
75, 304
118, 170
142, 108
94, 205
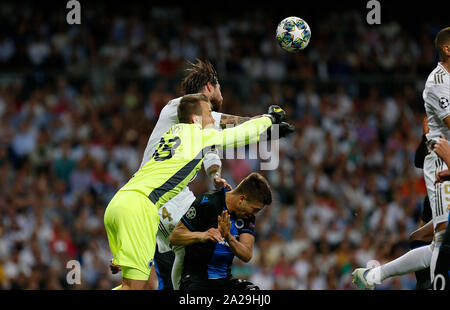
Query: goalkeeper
131, 218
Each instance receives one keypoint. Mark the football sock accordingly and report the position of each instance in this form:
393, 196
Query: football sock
177, 267
411, 261
437, 244
443, 264
422, 276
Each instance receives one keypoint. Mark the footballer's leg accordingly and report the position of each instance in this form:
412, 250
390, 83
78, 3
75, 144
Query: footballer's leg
169, 215
442, 269
440, 217
439, 195
177, 268
163, 264
133, 284
437, 242
417, 259
131, 222
422, 237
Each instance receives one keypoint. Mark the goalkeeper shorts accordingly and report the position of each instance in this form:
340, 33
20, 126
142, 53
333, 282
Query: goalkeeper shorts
131, 222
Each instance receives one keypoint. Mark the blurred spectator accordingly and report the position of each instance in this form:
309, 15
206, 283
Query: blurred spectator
77, 105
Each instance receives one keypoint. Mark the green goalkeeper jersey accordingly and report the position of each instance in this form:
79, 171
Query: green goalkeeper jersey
180, 153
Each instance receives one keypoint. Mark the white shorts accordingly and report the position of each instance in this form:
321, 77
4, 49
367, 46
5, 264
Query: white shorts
169, 216
439, 193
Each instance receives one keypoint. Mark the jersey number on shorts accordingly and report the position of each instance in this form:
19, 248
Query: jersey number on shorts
165, 150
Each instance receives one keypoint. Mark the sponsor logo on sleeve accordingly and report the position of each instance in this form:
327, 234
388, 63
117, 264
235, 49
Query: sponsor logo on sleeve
191, 213
239, 223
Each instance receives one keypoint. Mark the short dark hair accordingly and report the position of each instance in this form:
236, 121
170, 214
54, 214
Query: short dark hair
256, 188
442, 38
199, 75
189, 105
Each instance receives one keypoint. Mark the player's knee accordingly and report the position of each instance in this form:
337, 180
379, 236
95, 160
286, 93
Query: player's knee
130, 284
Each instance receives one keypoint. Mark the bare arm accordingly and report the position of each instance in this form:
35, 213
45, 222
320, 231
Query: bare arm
442, 149
181, 235
228, 119
447, 121
424, 233
242, 248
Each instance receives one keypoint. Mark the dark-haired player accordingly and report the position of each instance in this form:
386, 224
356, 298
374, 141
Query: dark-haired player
201, 78
217, 227
436, 97
441, 279
424, 234
131, 218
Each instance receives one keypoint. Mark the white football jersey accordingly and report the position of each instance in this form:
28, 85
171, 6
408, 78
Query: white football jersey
167, 118
436, 96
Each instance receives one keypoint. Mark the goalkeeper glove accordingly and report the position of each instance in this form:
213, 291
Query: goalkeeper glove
276, 114
284, 129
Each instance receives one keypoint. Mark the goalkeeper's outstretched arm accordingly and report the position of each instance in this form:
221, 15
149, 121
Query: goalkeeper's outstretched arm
241, 135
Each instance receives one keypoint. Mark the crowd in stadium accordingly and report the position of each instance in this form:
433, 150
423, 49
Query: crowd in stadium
78, 103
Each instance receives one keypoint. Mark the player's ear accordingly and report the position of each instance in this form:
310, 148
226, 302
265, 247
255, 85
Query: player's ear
196, 119
209, 87
242, 197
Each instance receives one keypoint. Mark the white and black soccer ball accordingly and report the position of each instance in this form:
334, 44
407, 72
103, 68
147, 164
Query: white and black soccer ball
293, 34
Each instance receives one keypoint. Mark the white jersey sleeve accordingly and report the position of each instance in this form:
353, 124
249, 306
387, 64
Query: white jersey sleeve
436, 96
212, 158
217, 116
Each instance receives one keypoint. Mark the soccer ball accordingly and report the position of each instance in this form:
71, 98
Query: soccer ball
293, 34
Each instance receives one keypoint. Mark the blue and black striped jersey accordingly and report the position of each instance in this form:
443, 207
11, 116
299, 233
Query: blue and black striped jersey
211, 260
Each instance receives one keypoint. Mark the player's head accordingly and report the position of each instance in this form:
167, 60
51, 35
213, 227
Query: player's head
195, 108
442, 43
253, 193
202, 78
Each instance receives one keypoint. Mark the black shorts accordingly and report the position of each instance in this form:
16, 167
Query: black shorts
194, 282
164, 263
426, 211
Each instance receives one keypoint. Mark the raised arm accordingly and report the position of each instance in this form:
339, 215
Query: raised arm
181, 235
442, 149
447, 121
242, 248
243, 134
228, 119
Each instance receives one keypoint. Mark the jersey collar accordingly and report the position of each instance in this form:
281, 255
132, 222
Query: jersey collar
443, 68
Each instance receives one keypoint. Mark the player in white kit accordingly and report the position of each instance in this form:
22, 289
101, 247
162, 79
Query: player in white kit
436, 96
202, 78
